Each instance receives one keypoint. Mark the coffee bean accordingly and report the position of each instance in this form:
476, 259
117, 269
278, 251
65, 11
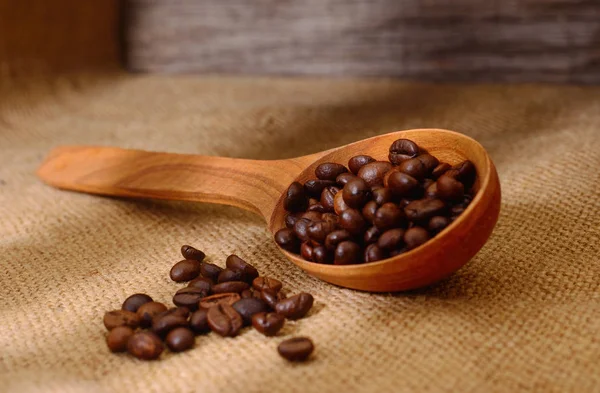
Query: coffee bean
402, 150
352, 221
402, 184
236, 263
268, 323
413, 167
330, 217
466, 173
315, 187
190, 252
290, 219
369, 211
262, 283
148, 311
230, 286
180, 339
210, 270
404, 202
338, 203
185, 270
344, 178
329, 171
429, 161
318, 231
356, 193
133, 302
301, 229
295, 199
382, 195
440, 170
312, 216
295, 307
427, 182
199, 322
317, 208
246, 293
189, 297
357, 162
145, 346
438, 223
321, 255
117, 338
220, 298
457, 210
391, 239
347, 252
183, 312
415, 236
431, 192
313, 201
424, 209
224, 320
296, 349
371, 235
115, 318
450, 189
286, 239
271, 297
202, 283
306, 251
248, 307
230, 275
336, 237
374, 253
327, 197
388, 216
163, 325
373, 172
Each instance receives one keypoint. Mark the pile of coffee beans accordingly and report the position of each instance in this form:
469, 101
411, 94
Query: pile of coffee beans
222, 300
372, 210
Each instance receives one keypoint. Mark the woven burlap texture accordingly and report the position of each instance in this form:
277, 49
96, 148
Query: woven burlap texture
523, 315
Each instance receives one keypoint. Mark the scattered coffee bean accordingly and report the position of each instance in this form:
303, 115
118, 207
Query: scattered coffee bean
271, 298
220, 298
202, 283
118, 337
189, 297
336, 237
268, 323
185, 270
148, 311
344, 178
373, 172
224, 320
295, 198
145, 346
199, 322
329, 171
230, 275
230, 286
415, 236
133, 302
296, 349
347, 253
262, 283
246, 294
374, 253
248, 307
402, 150
211, 271
315, 187
180, 339
164, 324
190, 252
113, 319
295, 307
183, 312
357, 162
236, 263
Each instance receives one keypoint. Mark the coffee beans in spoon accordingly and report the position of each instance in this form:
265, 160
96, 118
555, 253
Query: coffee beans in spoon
383, 208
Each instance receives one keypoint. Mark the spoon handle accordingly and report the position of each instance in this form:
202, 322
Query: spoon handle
250, 184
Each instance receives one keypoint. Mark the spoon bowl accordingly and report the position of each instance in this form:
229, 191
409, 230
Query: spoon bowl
259, 186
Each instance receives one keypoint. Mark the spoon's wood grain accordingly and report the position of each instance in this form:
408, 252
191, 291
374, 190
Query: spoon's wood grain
259, 185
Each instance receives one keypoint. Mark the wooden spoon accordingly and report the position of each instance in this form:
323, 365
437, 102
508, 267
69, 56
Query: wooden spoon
259, 186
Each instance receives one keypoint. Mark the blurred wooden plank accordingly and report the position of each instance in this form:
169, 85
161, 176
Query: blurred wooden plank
527, 40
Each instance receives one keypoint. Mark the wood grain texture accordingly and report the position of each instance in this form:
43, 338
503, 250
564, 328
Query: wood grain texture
529, 40
259, 186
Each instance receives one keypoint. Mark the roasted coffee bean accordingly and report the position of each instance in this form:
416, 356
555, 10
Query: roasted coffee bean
424, 209
262, 283
202, 283
318, 231
220, 298
457, 210
178, 311
382, 195
466, 173
388, 216
295, 199
450, 189
145, 346
180, 339
352, 221
296, 349
391, 240
414, 167
313, 201
431, 191
230, 286
338, 203
374, 253
404, 202
190, 252
336, 237
373, 172
185, 270
347, 253
356, 193
329, 171
148, 311
198, 321
236, 263
295, 307
210, 270
230, 275
438, 223
248, 307
271, 297
330, 217
301, 229
371, 235
315, 187
327, 197
402, 184
344, 178
317, 208
427, 182
312, 216
357, 162
429, 161
163, 325
321, 255
189, 297
290, 220
133, 302
224, 320
286, 239
440, 170
402, 150
393, 253
117, 338
369, 211
415, 236
115, 318
306, 251
268, 323
246, 293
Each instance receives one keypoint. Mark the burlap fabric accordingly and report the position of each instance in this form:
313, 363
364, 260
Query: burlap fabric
523, 315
